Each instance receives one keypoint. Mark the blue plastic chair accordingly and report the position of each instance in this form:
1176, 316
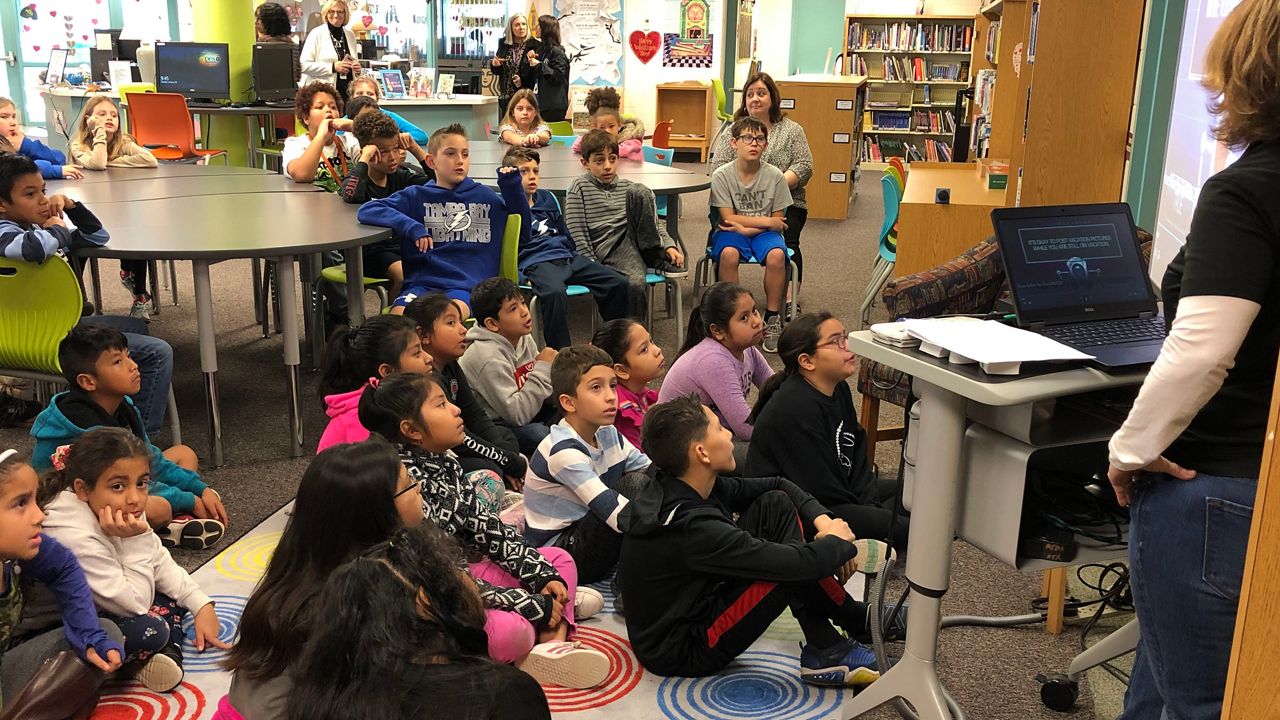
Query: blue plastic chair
566, 140
702, 278
887, 246
659, 156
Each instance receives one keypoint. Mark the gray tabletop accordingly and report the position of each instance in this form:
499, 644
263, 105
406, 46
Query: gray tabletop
220, 227
166, 170
191, 186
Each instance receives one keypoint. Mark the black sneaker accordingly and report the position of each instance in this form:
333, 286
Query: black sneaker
163, 671
665, 267
617, 595
16, 411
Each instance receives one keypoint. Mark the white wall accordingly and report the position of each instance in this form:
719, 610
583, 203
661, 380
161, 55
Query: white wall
639, 79
772, 25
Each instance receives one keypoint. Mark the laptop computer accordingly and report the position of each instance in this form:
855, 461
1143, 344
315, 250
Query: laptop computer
1076, 275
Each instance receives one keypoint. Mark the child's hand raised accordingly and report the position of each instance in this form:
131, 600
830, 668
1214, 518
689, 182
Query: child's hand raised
507, 169
118, 523
425, 242
207, 627
407, 143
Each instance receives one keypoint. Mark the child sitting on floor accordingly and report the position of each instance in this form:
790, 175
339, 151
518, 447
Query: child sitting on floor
583, 473
100, 492
101, 376
503, 363
52, 163
637, 361
522, 125
323, 155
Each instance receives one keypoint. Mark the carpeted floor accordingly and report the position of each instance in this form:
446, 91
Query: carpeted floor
989, 671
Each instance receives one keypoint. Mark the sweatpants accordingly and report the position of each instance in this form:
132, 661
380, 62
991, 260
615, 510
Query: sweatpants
147, 634
511, 635
21, 661
739, 611
608, 287
593, 545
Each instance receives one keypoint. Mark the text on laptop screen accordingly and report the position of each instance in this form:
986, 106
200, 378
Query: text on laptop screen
1073, 266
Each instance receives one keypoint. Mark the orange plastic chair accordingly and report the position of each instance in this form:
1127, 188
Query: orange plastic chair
662, 135
902, 169
162, 123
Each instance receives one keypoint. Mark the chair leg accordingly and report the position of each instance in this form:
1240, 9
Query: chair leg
175, 424
870, 417
678, 313
1055, 593
879, 277
173, 281
255, 269
383, 301
154, 266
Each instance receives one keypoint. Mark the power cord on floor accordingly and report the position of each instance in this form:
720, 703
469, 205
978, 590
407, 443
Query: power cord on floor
1115, 594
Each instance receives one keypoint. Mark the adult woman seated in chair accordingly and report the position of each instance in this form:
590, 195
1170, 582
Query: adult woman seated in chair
806, 430
1187, 459
788, 150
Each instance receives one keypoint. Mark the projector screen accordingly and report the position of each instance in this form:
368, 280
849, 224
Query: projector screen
1191, 155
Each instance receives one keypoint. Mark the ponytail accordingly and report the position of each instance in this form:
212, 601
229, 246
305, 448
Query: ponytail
716, 308
355, 354
386, 403
799, 338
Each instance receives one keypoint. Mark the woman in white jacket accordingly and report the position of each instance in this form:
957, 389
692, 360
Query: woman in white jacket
329, 53
98, 515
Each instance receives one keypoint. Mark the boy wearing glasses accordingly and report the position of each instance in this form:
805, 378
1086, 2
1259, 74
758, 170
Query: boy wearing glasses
748, 200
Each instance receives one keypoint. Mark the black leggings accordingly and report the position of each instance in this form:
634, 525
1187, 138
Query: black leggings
872, 520
795, 218
135, 272
593, 545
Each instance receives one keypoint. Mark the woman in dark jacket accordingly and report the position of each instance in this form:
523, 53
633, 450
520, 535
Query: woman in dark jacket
552, 65
511, 64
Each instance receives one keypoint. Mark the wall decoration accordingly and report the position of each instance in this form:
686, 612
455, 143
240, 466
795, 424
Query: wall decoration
645, 45
682, 53
745, 31
694, 19
592, 35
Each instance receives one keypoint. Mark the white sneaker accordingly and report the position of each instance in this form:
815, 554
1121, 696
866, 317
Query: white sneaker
160, 673
772, 331
140, 310
567, 664
587, 602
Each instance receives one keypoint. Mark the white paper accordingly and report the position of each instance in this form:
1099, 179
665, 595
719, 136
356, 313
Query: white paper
988, 341
844, 104
840, 138
592, 35
119, 72
787, 104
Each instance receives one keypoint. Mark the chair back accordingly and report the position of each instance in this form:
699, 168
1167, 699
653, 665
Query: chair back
892, 199
561, 127
896, 162
39, 304
161, 120
566, 140
509, 265
660, 156
968, 283
898, 177
723, 112
662, 135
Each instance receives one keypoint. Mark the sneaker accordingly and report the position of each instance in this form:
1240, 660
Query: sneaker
191, 533
665, 267
126, 280
848, 664
772, 331
140, 310
16, 411
897, 630
617, 595
162, 672
586, 603
873, 555
567, 664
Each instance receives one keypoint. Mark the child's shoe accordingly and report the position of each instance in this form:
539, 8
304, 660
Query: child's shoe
162, 672
848, 664
587, 602
140, 310
665, 267
191, 533
772, 331
567, 664
897, 630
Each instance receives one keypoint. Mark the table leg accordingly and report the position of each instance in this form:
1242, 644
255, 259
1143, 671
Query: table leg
1055, 593
96, 277
289, 326
208, 358
173, 281
355, 285
250, 128
673, 221
315, 300
939, 487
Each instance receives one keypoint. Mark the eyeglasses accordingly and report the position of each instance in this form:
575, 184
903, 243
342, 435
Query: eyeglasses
839, 342
412, 486
752, 139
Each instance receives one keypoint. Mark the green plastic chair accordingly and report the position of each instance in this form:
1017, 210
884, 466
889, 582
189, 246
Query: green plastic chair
724, 112
566, 140
561, 127
510, 269
337, 275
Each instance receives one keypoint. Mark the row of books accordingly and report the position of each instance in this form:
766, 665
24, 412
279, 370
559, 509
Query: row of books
886, 120
933, 121
916, 69
900, 36
881, 148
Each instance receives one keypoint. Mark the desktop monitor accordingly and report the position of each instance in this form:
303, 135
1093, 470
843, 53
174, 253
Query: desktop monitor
198, 71
127, 49
273, 72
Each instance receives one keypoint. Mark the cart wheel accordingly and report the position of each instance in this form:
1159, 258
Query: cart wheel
1058, 692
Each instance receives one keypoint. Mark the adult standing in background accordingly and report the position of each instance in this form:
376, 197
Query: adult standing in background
272, 25
552, 66
329, 54
1187, 459
511, 64
788, 150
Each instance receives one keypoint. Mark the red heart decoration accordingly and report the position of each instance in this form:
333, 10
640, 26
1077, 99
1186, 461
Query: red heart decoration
94, 21
84, 37
26, 28
645, 46
382, 30
53, 13
36, 48
366, 20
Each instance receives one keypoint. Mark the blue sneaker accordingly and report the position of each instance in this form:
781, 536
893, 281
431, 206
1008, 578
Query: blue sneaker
849, 664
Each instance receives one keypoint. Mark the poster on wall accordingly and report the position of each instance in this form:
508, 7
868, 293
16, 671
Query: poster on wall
592, 35
678, 52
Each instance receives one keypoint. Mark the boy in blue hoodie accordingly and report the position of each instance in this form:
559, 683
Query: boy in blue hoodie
95, 361
450, 230
550, 260
53, 164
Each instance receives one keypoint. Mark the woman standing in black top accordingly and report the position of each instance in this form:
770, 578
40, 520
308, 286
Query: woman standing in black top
552, 65
511, 64
1187, 459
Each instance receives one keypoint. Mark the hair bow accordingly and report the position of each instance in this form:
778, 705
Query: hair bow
59, 457
374, 382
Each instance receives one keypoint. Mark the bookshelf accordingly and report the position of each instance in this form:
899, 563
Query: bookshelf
829, 108
915, 65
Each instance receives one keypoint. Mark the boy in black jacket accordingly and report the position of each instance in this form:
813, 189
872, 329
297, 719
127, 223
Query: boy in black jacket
701, 589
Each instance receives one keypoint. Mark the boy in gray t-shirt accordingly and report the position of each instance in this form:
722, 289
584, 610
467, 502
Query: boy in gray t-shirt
748, 198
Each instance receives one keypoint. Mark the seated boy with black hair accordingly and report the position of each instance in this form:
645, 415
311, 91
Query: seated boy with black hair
380, 173
701, 588
584, 471
551, 262
615, 221
450, 230
505, 367
95, 361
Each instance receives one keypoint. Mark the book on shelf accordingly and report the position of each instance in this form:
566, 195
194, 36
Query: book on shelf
904, 36
889, 120
933, 121
993, 41
878, 148
984, 89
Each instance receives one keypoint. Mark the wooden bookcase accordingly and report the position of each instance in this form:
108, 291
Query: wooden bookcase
691, 108
828, 107
907, 105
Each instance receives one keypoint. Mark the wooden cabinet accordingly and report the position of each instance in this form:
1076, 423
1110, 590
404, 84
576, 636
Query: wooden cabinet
829, 108
690, 106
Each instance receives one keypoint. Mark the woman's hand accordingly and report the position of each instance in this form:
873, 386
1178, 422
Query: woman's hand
207, 628
1122, 480
533, 58
496, 62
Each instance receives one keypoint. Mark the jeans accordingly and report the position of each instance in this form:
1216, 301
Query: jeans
155, 363
1187, 543
593, 545
610, 288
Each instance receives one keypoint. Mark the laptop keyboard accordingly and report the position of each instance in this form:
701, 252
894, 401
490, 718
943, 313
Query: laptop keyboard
1107, 332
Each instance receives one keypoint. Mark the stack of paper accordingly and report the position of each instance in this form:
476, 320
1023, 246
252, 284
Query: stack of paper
1000, 349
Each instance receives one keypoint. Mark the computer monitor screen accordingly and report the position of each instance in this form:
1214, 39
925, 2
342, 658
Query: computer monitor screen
196, 70
273, 71
127, 49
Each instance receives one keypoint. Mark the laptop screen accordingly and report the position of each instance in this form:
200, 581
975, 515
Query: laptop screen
1071, 263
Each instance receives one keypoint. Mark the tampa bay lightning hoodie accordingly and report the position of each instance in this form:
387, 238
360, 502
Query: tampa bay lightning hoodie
549, 237
465, 223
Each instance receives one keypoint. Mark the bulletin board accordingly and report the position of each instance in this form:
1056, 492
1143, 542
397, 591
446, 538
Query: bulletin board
591, 31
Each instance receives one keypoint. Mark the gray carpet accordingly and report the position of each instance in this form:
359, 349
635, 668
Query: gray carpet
989, 671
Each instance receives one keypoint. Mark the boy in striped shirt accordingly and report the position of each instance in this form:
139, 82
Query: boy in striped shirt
575, 495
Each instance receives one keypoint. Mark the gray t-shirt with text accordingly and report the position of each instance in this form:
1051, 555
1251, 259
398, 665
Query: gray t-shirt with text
766, 194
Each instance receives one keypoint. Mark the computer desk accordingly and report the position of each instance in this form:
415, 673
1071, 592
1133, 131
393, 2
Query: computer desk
950, 402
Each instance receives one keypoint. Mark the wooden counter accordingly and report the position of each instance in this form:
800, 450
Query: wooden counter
929, 233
